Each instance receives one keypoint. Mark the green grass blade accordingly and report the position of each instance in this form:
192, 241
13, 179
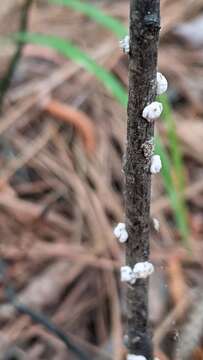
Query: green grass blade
67, 49
175, 170
175, 151
176, 199
115, 26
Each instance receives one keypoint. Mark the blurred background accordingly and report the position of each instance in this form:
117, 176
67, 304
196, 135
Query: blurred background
63, 96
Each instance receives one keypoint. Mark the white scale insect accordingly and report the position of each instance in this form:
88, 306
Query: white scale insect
152, 111
120, 233
162, 84
156, 164
137, 357
125, 44
140, 271
156, 224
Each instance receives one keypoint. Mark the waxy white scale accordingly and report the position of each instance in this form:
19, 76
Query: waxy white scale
156, 164
125, 44
140, 271
152, 111
135, 357
120, 233
162, 84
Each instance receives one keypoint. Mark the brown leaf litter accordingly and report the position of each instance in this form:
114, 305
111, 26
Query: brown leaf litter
62, 142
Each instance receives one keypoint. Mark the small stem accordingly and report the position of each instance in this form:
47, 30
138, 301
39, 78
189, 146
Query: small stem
144, 36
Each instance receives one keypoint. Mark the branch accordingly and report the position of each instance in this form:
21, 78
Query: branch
144, 35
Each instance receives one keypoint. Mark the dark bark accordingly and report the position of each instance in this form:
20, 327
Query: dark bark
144, 35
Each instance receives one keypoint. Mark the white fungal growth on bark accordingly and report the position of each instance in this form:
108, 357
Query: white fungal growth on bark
156, 224
143, 269
125, 44
135, 357
126, 274
156, 164
120, 233
162, 84
152, 111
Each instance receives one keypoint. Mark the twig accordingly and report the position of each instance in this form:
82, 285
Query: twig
5, 82
51, 327
144, 34
37, 317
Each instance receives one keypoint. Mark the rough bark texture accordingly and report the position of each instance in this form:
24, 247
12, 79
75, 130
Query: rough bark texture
144, 35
